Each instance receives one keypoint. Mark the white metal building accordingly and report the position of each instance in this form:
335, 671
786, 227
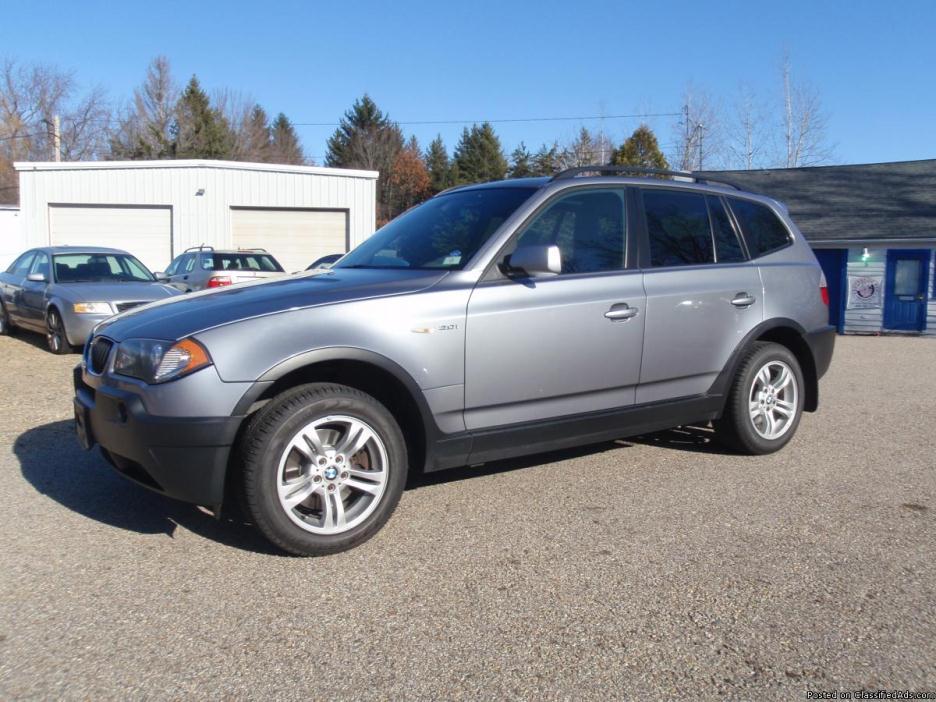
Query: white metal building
157, 209
11, 235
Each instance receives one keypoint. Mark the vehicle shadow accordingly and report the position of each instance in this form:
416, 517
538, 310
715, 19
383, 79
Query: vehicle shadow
690, 438
53, 462
31, 338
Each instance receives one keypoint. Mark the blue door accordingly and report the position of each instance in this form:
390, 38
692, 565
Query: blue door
905, 289
833, 262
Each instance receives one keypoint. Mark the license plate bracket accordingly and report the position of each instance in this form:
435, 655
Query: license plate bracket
83, 427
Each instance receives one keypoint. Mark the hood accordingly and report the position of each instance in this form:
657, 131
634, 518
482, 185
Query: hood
197, 312
113, 292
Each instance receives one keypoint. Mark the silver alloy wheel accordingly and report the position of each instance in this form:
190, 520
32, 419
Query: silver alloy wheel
773, 400
55, 334
332, 474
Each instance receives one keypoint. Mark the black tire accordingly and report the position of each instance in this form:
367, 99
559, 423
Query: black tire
6, 326
56, 339
266, 439
736, 428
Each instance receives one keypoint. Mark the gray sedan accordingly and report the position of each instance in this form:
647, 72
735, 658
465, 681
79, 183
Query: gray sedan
64, 291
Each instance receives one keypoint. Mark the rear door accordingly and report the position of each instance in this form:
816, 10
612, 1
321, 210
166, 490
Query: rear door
703, 294
557, 346
905, 289
180, 270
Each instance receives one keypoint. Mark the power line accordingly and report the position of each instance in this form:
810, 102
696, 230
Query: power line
508, 120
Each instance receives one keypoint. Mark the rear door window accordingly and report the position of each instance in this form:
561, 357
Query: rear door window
678, 228
762, 229
20, 267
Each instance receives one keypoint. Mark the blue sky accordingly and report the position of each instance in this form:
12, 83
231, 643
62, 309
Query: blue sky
874, 63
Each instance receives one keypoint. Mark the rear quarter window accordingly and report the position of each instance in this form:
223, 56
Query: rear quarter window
762, 229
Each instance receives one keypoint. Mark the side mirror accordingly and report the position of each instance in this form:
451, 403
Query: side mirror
36, 278
160, 277
536, 261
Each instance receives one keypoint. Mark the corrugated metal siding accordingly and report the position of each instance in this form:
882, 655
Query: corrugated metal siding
12, 241
931, 303
196, 219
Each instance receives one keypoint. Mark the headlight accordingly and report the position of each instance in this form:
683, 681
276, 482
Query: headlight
93, 308
159, 361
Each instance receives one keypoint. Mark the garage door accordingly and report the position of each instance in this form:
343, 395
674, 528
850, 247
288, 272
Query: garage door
295, 237
146, 232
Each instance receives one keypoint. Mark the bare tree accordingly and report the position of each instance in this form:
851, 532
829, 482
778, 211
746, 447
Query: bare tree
747, 132
249, 129
586, 150
804, 122
698, 136
31, 98
143, 131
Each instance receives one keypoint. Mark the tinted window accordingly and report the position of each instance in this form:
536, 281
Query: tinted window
240, 262
588, 228
442, 233
678, 228
21, 265
727, 247
99, 267
762, 229
173, 267
188, 264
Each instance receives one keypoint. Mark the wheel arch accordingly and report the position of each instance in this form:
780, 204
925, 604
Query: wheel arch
369, 372
789, 334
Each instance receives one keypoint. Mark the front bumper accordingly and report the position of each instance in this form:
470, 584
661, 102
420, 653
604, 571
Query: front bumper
181, 457
78, 326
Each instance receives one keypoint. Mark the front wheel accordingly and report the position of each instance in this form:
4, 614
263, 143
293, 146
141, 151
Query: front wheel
56, 339
765, 403
324, 467
6, 326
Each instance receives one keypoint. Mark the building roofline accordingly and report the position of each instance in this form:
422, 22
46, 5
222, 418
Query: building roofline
191, 163
819, 168
859, 243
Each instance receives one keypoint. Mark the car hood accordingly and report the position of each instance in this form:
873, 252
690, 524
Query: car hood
197, 312
113, 292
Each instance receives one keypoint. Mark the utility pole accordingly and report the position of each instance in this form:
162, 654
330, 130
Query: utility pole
57, 138
699, 127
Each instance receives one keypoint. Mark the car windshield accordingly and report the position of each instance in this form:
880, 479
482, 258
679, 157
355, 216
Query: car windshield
241, 262
99, 267
442, 233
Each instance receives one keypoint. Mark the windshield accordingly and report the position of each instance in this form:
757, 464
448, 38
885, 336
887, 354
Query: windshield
241, 262
442, 233
99, 267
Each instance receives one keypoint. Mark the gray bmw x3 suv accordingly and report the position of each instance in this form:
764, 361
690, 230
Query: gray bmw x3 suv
492, 321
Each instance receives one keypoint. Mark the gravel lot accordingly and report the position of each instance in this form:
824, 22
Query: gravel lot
660, 566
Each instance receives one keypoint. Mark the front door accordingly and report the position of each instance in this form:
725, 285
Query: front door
541, 348
905, 289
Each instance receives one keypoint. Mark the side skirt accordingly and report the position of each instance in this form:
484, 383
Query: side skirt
528, 438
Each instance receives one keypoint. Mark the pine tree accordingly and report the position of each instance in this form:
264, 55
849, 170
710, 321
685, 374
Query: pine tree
546, 161
640, 149
521, 162
366, 138
256, 136
437, 162
284, 144
200, 130
479, 156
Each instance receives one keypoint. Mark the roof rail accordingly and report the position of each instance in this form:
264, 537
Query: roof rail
202, 247
640, 170
255, 250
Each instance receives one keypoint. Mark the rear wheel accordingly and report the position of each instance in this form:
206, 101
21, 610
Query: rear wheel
324, 468
765, 402
55, 333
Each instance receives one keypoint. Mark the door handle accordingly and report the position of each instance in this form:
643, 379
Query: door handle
743, 299
621, 311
